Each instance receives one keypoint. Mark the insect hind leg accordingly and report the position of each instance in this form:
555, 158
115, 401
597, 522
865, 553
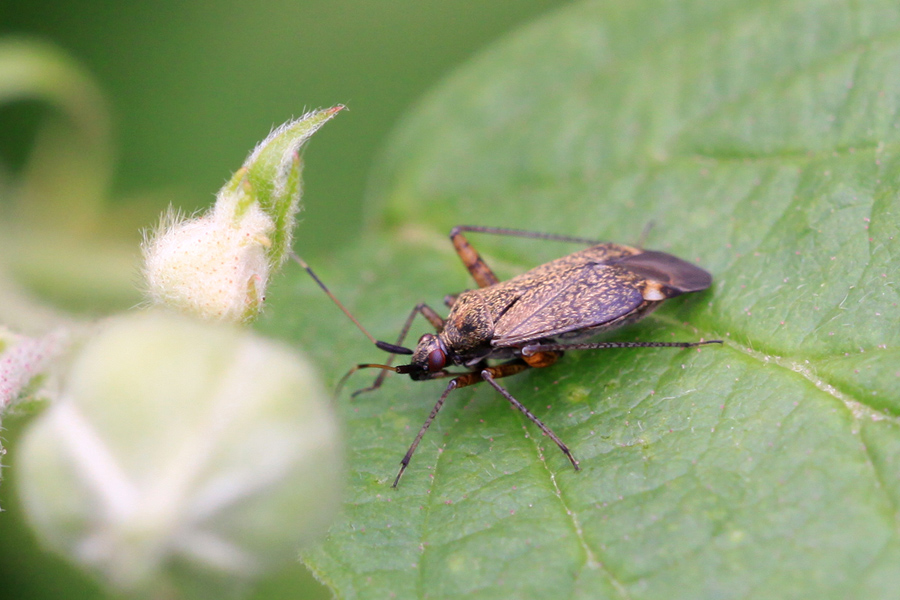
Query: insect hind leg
478, 269
535, 235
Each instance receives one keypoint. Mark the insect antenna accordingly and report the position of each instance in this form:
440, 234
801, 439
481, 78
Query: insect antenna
392, 348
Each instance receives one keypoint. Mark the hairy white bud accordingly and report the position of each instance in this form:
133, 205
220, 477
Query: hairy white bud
216, 266
213, 266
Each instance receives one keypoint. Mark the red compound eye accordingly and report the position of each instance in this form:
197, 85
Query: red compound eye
436, 360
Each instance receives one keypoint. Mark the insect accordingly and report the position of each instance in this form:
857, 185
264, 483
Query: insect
529, 321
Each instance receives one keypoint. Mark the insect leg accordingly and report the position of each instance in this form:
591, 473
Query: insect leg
534, 349
464, 380
479, 270
421, 308
538, 235
454, 383
510, 369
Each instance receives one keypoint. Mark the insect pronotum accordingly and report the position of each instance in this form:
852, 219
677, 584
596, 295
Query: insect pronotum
529, 321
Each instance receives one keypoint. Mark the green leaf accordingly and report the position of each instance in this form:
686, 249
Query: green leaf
761, 139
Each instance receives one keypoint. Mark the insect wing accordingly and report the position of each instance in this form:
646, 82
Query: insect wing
580, 298
676, 276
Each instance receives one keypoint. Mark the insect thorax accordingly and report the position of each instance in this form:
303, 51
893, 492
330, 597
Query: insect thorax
470, 325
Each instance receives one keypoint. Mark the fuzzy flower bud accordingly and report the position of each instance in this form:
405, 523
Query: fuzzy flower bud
181, 451
217, 265
213, 266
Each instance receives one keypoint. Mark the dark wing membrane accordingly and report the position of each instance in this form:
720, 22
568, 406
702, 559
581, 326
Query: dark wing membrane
676, 275
585, 296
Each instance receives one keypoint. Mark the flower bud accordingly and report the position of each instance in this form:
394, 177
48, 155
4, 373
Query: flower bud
181, 451
217, 266
212, 266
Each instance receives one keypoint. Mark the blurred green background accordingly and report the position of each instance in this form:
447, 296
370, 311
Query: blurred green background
192, 87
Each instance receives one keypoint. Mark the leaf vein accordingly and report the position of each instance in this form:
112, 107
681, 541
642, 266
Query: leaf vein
591, 560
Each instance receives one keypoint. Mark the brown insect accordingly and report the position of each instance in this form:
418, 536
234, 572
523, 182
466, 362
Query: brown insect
532, 319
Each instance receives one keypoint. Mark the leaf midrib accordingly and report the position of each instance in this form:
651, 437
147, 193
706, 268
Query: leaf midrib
590, 557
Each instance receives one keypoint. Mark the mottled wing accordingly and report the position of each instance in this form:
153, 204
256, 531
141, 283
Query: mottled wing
586, 296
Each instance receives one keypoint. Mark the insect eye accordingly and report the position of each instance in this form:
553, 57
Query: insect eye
436, 360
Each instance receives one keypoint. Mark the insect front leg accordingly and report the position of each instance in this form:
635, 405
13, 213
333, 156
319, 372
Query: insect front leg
419, 309
464, 380
454, 383
488, 374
